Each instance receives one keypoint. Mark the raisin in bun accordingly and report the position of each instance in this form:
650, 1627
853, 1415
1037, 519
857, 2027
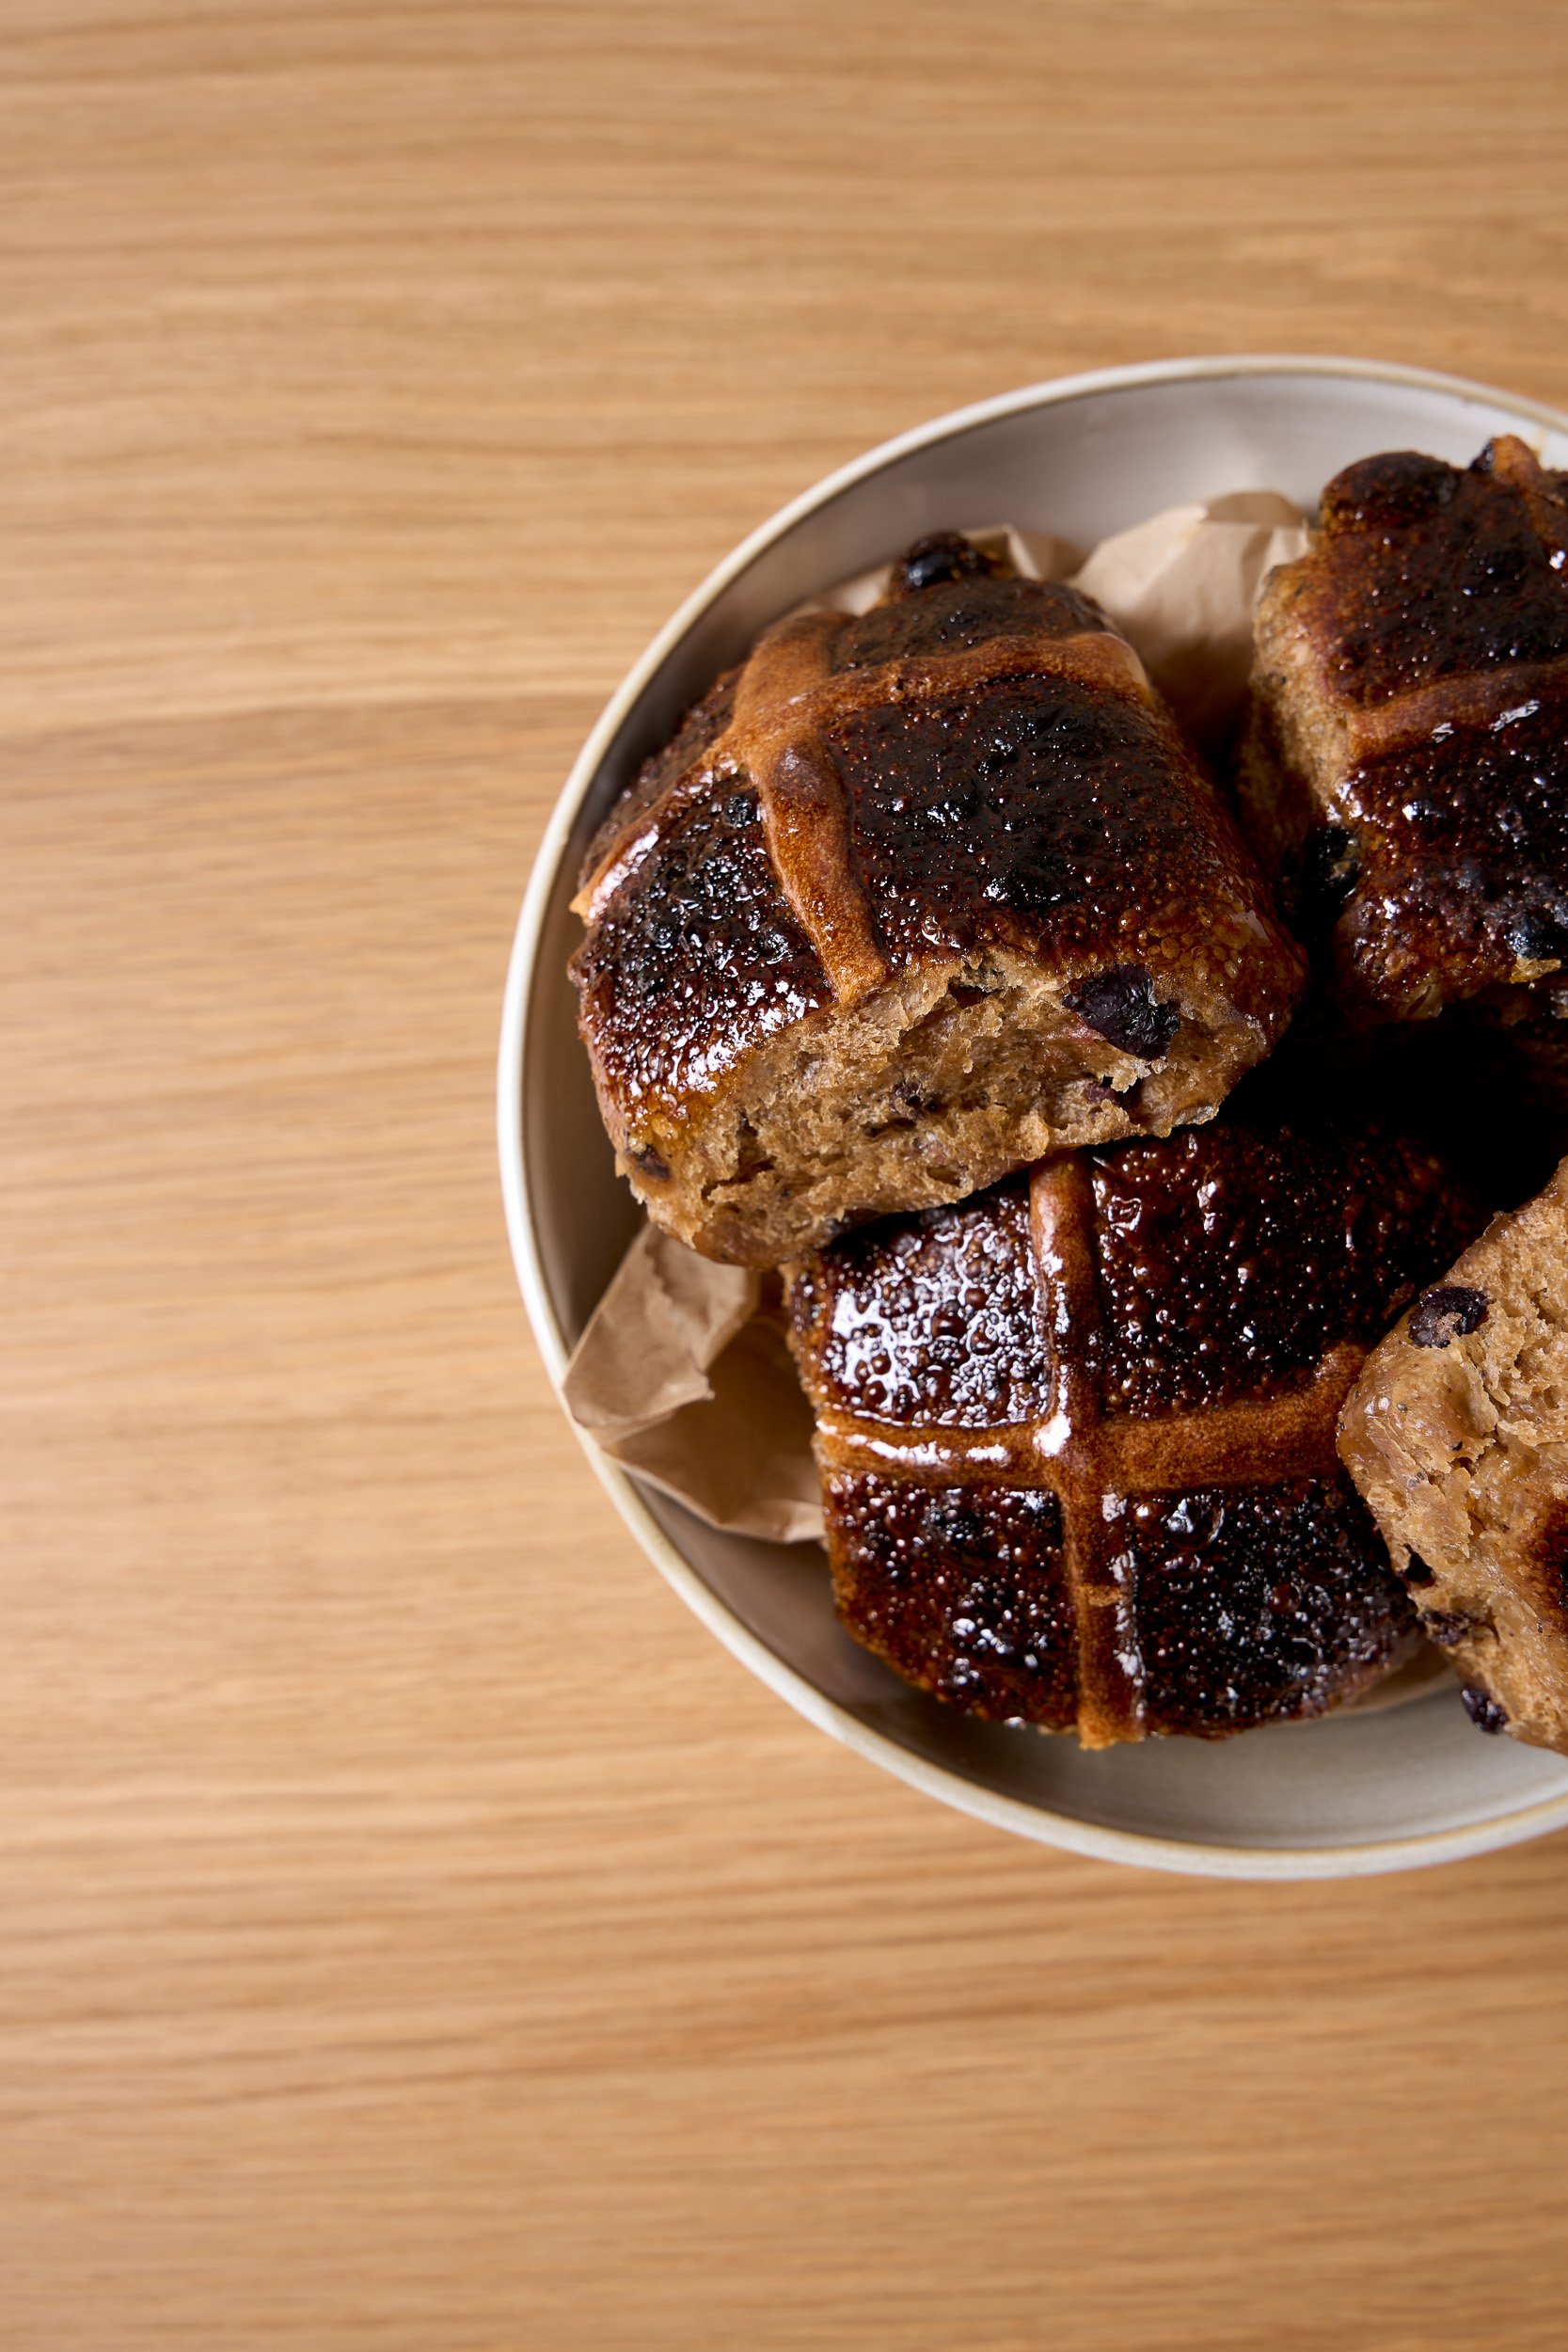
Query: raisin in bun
913, 897
1077, 1437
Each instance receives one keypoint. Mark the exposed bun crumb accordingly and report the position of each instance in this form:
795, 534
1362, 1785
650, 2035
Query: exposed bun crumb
1457, 1435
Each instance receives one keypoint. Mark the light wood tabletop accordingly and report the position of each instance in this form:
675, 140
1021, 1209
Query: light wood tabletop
414, 1930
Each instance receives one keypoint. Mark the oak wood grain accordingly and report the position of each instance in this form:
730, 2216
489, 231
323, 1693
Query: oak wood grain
414, 1930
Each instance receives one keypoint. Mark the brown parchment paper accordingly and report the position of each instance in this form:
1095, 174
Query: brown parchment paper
1181, 588
683, 1373
684, 1376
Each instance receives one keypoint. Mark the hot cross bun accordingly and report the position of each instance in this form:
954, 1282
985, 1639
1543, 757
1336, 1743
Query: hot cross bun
1457, 1435
1076, 1436
912, 898
1404, 775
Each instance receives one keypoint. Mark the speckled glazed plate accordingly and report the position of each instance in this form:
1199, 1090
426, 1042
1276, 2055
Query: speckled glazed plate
1081, 459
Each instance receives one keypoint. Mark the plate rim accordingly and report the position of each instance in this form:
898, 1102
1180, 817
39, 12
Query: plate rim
1038, 1823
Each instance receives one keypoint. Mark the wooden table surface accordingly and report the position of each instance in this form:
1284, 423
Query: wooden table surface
415, 1931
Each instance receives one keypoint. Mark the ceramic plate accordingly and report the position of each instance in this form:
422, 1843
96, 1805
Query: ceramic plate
1081, 457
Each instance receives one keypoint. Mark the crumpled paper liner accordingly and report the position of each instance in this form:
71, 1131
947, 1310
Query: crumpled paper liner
683, 1377
1181, 588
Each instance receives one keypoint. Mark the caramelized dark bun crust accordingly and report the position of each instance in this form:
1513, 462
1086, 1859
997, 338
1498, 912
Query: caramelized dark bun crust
1076, 1436
1404, 775
913, 897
